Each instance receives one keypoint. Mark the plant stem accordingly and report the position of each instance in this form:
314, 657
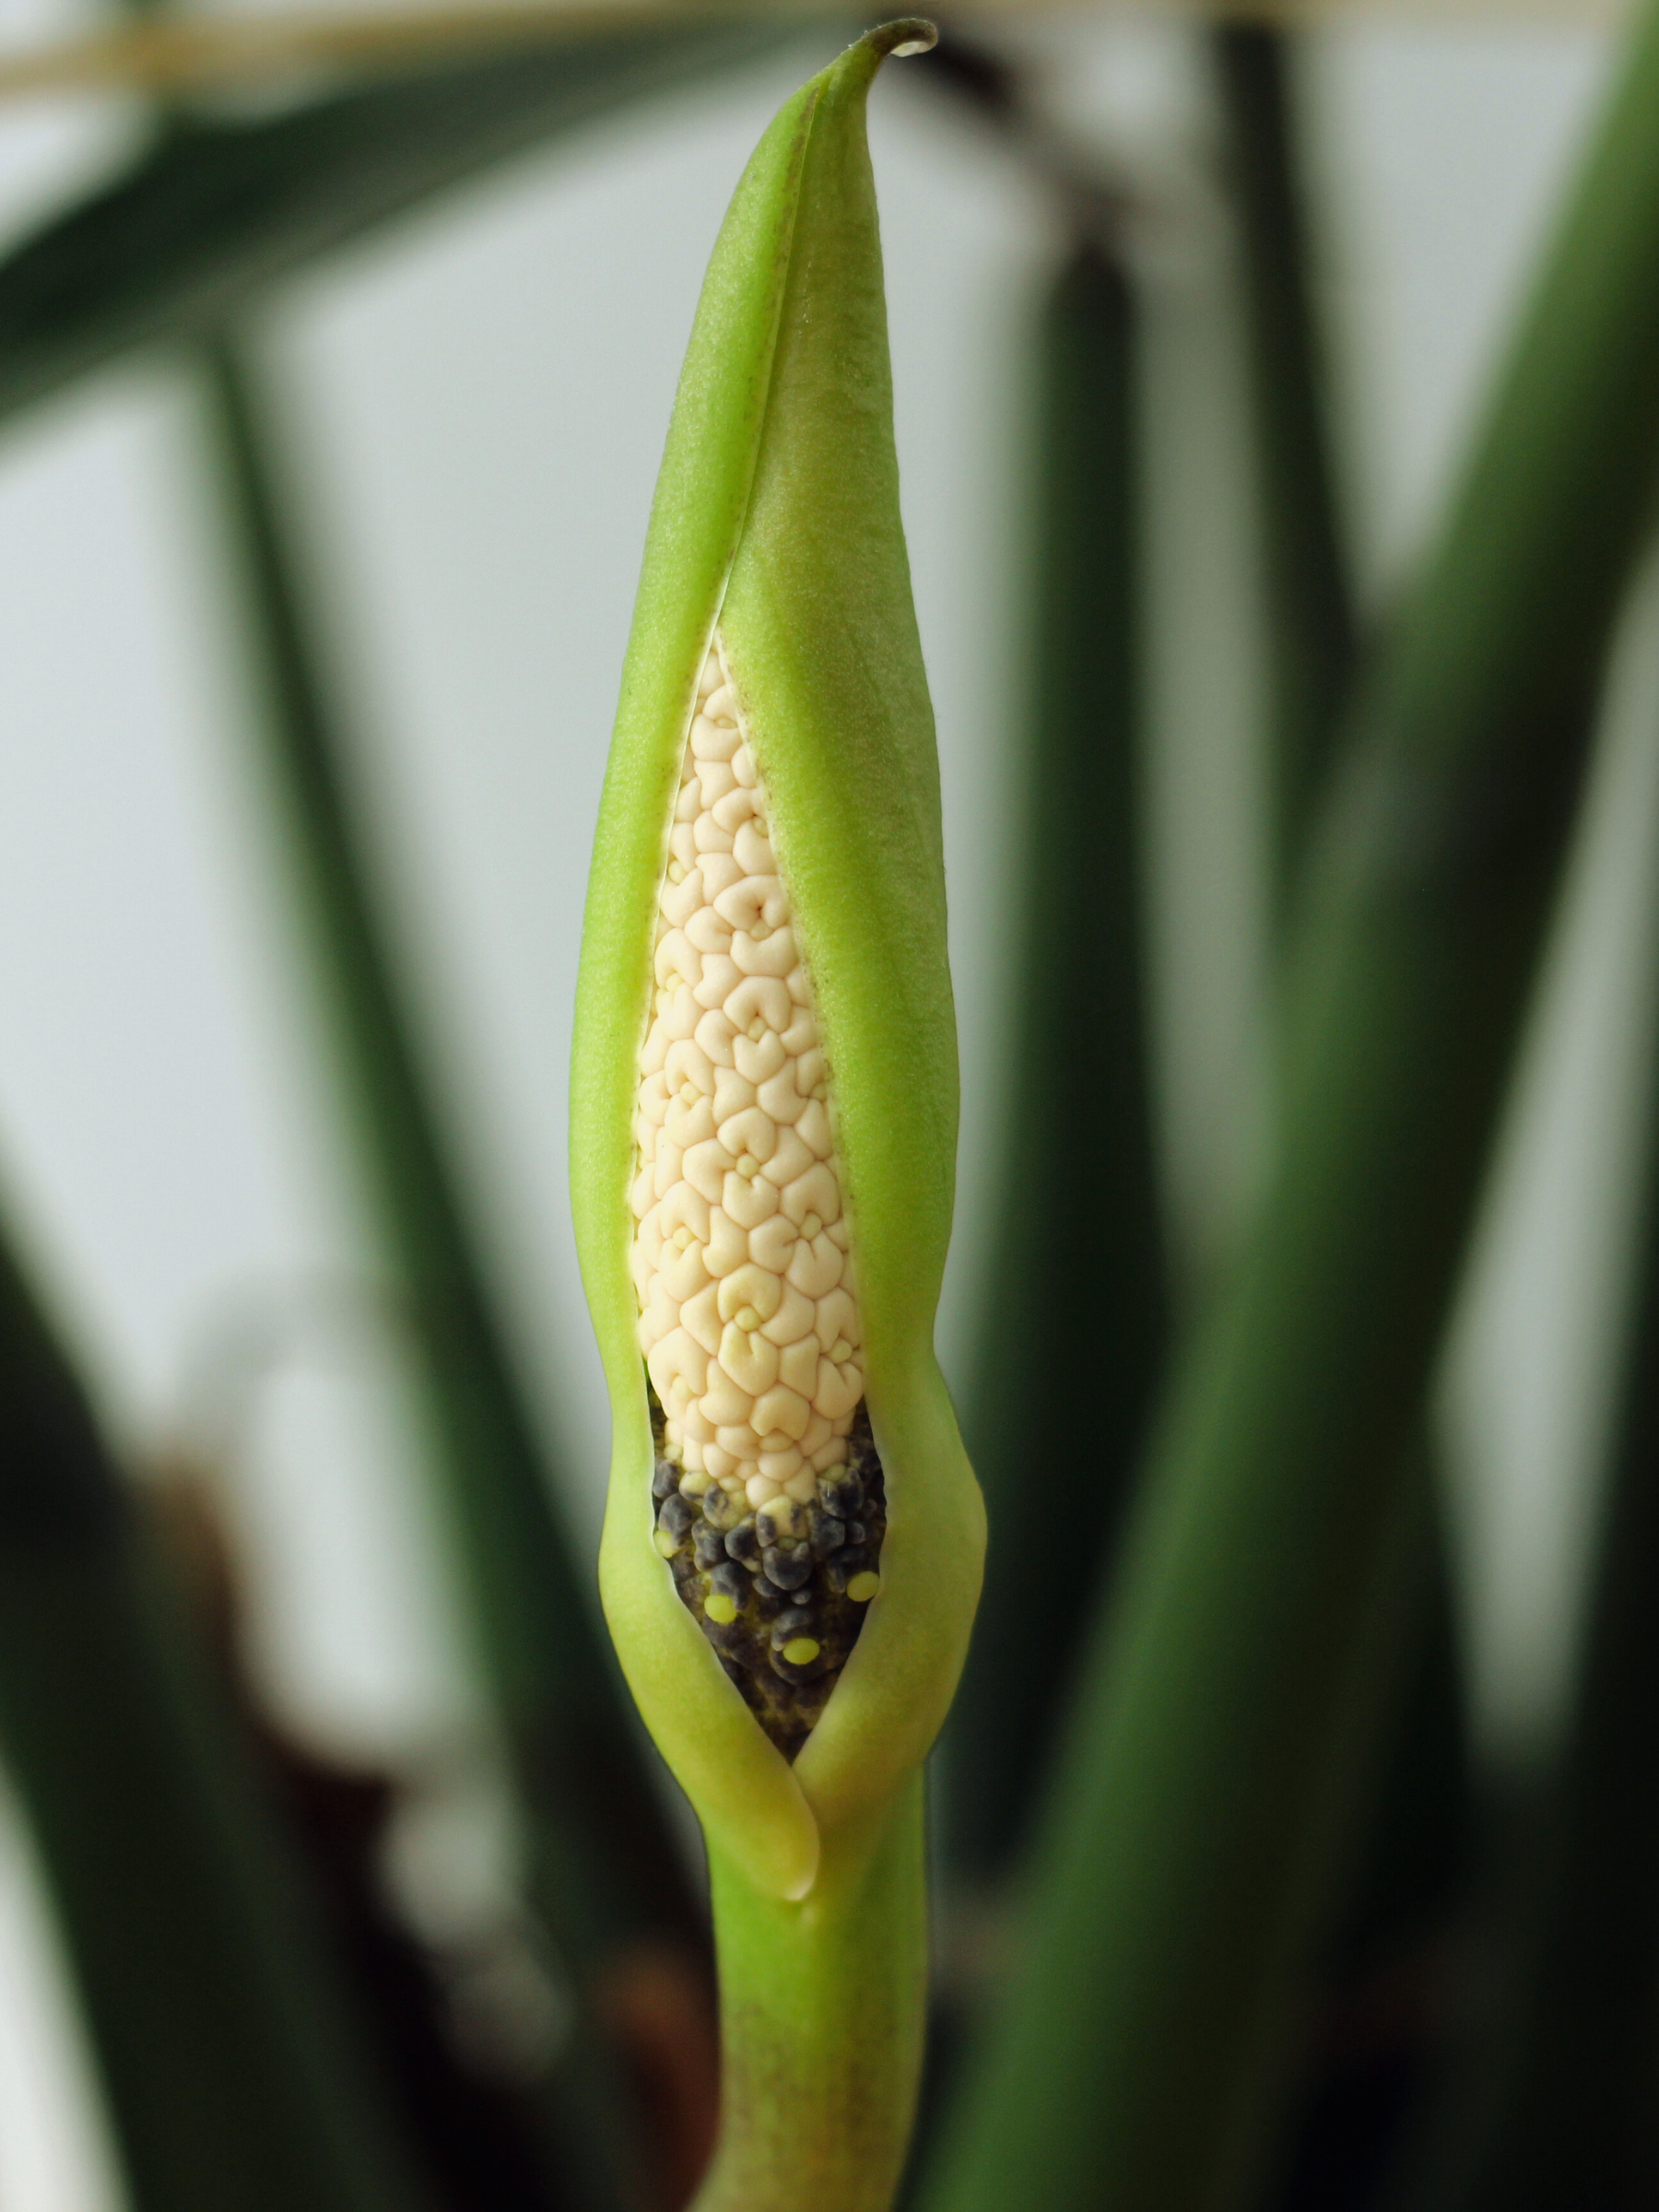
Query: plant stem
1074, 1334
1400, 1891
1311, 627
602, 1872
1555, 2103
556, 1687
821, 2014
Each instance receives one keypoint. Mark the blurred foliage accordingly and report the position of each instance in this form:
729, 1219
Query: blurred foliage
202, 221
1208, 1763
1074, 1329
602, 1869
221, 2024
1551, 2100
1312, 624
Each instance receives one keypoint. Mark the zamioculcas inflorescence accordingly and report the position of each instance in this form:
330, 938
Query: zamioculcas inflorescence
764, 1105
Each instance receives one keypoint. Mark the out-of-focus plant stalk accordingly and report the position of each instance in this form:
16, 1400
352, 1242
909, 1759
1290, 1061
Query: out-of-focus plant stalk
602, 1868
1553, 2105
1076, 1301
1185, 1853
1311, 627
1411, 1858
232, 2073
175, 57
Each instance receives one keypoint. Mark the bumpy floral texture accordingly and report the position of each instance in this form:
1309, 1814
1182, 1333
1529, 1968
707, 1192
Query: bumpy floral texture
748, 1314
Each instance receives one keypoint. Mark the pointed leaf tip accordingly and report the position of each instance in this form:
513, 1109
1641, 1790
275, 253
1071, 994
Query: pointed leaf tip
908, 35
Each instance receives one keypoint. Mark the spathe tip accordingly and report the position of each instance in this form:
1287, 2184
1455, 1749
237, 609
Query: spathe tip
907, 35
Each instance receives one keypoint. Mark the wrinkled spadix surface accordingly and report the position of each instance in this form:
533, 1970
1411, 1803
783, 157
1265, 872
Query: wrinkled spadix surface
775, 543
748, 1319
771, 1511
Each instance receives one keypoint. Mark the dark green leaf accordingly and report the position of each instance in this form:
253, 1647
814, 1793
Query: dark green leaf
1311, 629
1073, 1337
1407, 1876
603, 1867
1555, 2104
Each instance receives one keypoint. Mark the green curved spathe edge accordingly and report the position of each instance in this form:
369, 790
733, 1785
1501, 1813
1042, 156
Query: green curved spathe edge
777, 514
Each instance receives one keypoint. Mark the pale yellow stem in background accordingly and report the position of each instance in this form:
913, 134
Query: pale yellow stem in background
182, 53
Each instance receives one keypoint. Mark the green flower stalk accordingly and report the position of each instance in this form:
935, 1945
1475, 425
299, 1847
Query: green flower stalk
764, 1132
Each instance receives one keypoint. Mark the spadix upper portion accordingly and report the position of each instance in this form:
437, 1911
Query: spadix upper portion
748, 1313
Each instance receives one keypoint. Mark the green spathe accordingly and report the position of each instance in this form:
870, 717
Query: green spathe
777, 515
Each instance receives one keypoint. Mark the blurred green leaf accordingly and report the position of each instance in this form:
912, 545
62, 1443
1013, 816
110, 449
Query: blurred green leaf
1553, 2104
215, 211
603, 1868
232, 2073
1311, 629
1077, 1303
1187, 1855
1408, 1879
